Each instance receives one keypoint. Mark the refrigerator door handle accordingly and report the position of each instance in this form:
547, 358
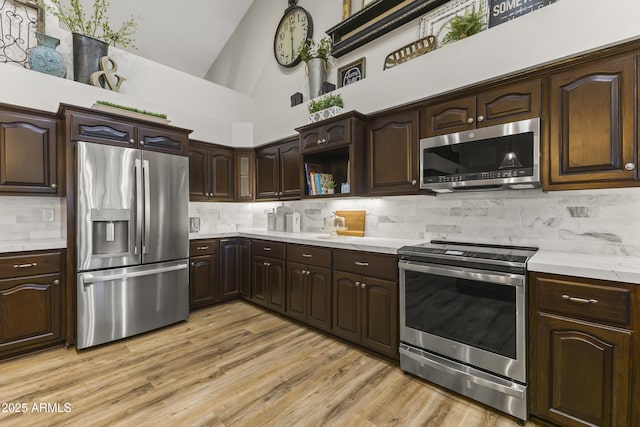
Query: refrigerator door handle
138, 225
88, 278
147, 207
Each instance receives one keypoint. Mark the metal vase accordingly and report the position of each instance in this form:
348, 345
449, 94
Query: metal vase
45, 58
87, 52
317, 71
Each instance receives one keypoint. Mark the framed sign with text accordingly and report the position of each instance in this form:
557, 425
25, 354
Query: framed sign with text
351, 73
501, 11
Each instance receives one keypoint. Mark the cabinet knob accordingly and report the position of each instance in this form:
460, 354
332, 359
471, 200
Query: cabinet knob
308, 272
324, 141
629, 166
357, 284
481, 118
414, 182
363, 285
54, 185
470, 120
141, 142
56, 282
193, 264
131, 141
318, 142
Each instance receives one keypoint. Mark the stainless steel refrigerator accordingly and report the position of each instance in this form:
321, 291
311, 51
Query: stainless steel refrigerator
132, 242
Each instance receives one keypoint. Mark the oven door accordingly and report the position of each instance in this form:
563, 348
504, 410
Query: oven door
476, 317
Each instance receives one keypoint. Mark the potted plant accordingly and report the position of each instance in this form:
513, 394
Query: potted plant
461, 26
327, 106
315, 55
92, 34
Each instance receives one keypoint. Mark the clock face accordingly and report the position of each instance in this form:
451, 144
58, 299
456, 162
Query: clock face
294, 29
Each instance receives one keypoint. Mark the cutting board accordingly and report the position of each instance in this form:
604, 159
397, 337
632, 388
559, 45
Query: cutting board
354, 221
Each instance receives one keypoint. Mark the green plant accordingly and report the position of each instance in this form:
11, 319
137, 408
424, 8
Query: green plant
331, 100
313, 49
331, 184
136, 110
95, 25
461, 26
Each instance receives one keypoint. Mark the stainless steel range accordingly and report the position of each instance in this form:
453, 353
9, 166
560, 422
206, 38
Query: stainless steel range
463, 320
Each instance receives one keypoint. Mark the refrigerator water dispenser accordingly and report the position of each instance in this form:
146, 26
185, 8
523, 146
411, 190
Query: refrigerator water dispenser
110, 231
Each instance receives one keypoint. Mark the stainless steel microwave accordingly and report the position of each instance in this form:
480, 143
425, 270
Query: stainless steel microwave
497, 157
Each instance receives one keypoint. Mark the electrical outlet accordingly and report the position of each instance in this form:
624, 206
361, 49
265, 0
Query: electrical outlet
48, 215
194, 224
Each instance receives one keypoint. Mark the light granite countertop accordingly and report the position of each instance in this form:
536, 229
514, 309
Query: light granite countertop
31, 245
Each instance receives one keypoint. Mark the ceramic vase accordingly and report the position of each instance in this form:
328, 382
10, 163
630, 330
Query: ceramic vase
87, 52
45, 58
317, 72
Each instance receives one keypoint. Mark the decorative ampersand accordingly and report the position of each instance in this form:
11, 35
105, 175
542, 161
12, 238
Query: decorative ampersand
107, 73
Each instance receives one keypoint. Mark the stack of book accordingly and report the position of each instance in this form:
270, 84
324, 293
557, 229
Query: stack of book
317, 182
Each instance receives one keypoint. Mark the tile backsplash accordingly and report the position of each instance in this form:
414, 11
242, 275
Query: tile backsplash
586, 221
32, 218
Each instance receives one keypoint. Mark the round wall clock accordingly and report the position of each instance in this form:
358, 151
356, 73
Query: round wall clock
295, 28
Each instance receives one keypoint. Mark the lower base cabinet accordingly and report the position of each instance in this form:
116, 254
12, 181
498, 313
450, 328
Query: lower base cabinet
31, 301
203, 280
584, 345
309, 294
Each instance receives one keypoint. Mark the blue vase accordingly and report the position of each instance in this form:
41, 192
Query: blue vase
45, 58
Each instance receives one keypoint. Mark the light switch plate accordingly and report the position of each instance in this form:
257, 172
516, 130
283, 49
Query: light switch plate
194, 224
48, 215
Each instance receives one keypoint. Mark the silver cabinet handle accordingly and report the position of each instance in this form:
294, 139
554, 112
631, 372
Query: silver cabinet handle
470, 120
27, 265
141, 142
268, 264
308, 273
580, 300
224, 240
54, 185
265, 263
56, 282
414, 182
193, 264
307, 255
202, 248
324, 141
481, 118
304, 272
361, 264
267, 249
319, 142
357, 284
131, 141
629, 166
363, 285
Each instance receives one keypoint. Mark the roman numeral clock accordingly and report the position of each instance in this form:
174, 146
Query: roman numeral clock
295, 29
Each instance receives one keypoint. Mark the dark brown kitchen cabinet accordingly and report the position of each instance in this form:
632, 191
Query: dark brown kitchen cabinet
31, 159
244, 261
268, 274
502, 104
593, 125
365, 306
203, 273
392, 154
244, 175
32, 304
278, 171
583, 351
309, 285
234, 268
91, 125
210, 172
326, 134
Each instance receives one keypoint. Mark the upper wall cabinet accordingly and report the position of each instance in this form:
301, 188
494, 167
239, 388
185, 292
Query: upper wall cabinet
85, 124
31, 160
592, 125
503, 104
392, 154
278, 171
245, 174
210, 172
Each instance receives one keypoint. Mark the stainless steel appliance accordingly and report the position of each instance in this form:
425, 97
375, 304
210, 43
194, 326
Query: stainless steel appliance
497, 157
463, 320
132, 242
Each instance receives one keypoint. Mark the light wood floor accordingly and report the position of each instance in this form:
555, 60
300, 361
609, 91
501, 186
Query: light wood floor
230, 365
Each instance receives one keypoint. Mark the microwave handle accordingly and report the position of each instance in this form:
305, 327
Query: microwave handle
497, 277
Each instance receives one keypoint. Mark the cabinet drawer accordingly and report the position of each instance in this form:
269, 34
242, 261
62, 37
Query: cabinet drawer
268, 249
203, 247
29, 264
590, 299
366, 263
96, 128
309, 255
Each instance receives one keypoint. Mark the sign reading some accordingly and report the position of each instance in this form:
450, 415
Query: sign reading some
506, 10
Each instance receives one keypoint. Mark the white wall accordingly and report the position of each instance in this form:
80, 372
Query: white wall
556, 31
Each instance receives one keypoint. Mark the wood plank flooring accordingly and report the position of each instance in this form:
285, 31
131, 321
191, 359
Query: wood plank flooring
229, 365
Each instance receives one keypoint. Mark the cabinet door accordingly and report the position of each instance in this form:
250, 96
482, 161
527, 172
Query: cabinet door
290, 175
448, 117
260, 279
198, 173
319, 297
230, 269
509, 103
311, 138
244, 179
100, 129
392, 154
203, 280
163, 140
277, 292
28, 154
592, 123
244, 266
347, 317
296, 291
30, 313
221, 174
380, 315
583, 374
267, 173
